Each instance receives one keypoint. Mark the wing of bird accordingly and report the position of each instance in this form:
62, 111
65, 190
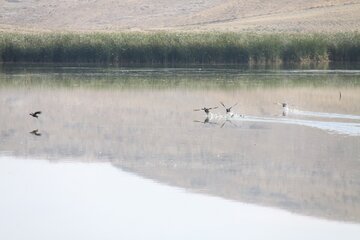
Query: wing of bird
233, 105
197, 109
223, 104
213, 108
38, 112
282, 104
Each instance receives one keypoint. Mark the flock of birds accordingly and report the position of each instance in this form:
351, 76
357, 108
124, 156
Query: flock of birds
285, 107
228, 110
207, 110
230, 114
35, 115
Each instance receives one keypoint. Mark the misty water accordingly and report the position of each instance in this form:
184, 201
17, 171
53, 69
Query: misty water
121, 153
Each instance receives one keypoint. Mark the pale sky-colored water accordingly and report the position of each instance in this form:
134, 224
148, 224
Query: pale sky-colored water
42, 200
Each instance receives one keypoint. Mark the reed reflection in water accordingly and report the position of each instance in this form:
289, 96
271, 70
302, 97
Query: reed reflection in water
262, 158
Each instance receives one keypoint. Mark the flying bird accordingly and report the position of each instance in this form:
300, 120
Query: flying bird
35, 132
205, 109
228, 110
35, 114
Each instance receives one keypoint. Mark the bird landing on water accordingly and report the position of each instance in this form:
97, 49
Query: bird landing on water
228, 110
205, 109
285, 107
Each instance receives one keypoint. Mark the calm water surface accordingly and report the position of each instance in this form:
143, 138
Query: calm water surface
121, 153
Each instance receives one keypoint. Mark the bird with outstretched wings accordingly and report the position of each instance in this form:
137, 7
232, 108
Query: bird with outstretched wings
205, 109
35, 114
228, 109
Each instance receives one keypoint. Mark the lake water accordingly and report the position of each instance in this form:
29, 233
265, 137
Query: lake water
121, 153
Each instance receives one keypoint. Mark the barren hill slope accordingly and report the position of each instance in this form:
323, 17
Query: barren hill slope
223, 15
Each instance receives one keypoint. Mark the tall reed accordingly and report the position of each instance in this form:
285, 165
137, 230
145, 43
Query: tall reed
163, 48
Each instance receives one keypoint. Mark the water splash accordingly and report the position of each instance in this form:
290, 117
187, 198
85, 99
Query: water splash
324, 114
345, 128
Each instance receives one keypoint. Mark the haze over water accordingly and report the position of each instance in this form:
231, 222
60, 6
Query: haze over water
172, 171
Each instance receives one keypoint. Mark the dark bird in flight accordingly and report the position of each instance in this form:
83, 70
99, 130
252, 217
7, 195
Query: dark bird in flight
205, 109
228, 110
339, 95
35, 114
35, 132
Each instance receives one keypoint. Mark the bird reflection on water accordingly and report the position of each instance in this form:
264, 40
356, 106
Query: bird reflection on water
35, 132
206, 121
228, 120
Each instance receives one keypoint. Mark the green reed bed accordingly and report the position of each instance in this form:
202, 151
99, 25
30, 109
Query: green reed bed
178, 48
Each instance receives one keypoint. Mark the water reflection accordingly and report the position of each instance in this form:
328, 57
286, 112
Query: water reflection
306, 162
35, 132
206, 121
42, 201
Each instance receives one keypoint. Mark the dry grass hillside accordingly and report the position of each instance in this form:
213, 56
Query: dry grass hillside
189, 15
